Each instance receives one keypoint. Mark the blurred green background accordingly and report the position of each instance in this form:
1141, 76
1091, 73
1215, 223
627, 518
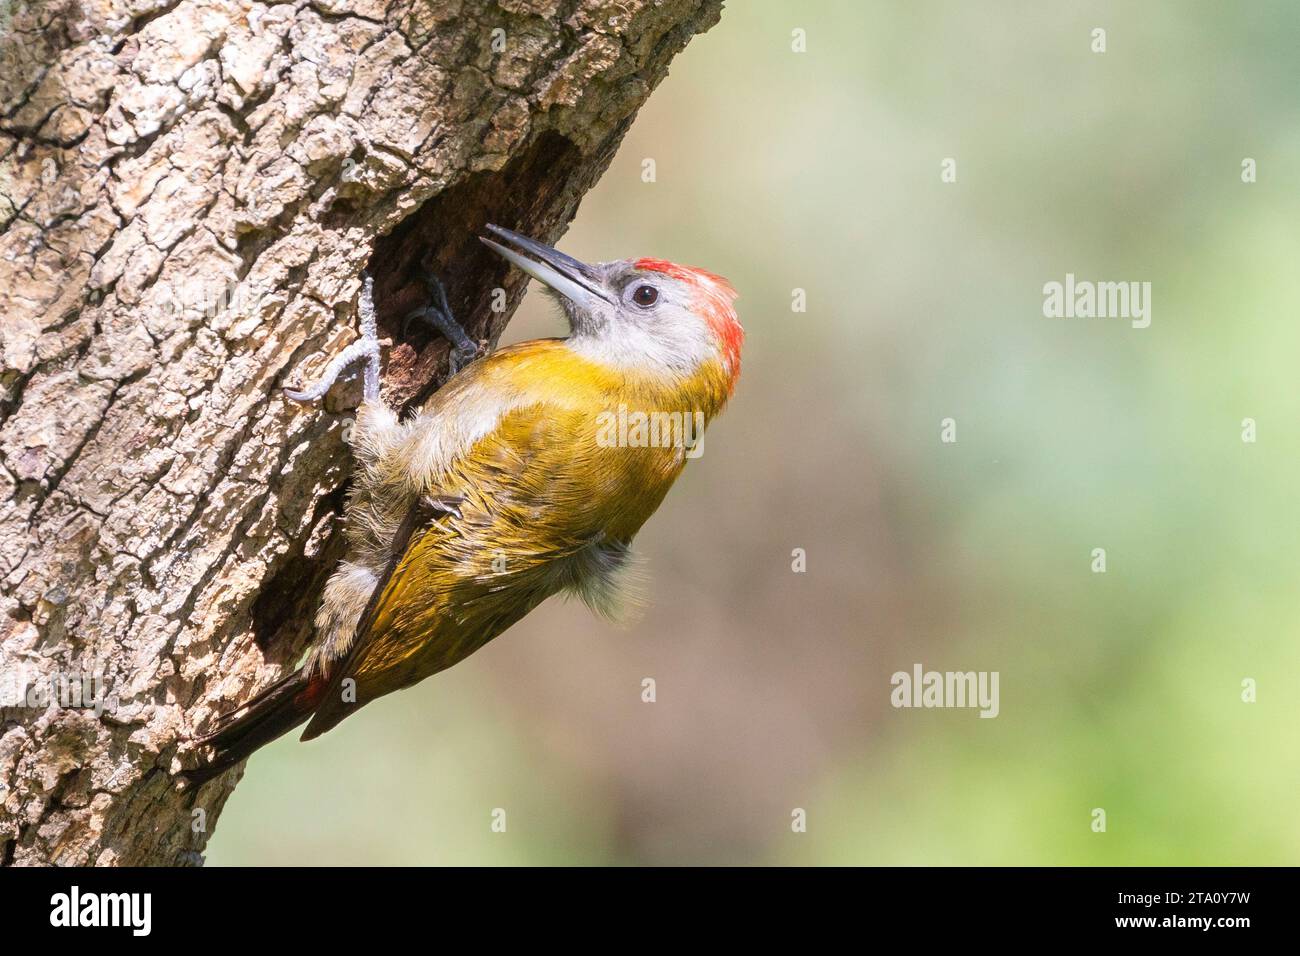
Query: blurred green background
821, 170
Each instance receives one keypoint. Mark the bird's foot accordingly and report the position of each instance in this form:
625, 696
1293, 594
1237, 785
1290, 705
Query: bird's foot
438, 314
365, 348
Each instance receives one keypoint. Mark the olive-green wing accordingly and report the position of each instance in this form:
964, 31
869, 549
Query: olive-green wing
332, 708
498, 478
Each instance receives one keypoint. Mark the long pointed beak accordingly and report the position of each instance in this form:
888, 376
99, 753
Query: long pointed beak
576, 281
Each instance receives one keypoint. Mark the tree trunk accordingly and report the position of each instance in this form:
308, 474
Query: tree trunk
189, 193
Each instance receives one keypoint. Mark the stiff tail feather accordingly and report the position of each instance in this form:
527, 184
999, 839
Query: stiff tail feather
271, 714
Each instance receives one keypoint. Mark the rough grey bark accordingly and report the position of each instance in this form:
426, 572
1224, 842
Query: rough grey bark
189, 192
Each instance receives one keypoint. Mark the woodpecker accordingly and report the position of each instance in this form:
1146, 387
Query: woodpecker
505, 488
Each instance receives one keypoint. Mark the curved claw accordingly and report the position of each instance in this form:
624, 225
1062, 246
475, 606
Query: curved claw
438, 314
411, 317
366, 347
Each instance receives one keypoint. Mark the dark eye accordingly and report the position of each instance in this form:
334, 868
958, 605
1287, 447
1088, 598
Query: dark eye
645, 295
